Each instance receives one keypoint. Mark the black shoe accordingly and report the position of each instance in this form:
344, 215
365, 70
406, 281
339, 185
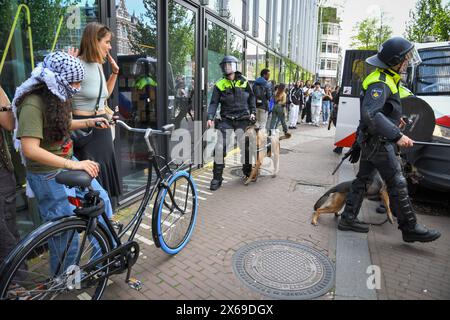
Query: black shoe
352, 225
215, 184
420, 233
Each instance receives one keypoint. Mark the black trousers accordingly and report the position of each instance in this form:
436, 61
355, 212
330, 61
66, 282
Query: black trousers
9, 235
383, 157
226, 127
306, 112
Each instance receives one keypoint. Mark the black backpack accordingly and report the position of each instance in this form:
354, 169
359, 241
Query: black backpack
260, 95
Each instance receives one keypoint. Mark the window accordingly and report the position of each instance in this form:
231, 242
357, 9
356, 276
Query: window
262, 20
137, 83
231, 9
252, 61
433, 75
237, 48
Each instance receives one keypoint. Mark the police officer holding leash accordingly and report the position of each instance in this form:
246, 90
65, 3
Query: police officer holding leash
379, 135
237, 109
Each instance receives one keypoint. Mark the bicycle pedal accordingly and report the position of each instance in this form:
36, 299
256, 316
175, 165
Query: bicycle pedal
117, 225
135, 284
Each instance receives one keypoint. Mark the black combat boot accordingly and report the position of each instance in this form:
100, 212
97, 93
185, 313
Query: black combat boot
349, 224
216, 182
419, 233
407, 221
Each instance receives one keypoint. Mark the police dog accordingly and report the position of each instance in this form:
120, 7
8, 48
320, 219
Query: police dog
334, 199
266, 146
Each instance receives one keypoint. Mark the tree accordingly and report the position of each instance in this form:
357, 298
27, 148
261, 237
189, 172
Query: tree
428, 18
370, 34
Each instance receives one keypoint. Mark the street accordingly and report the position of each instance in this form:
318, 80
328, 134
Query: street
281, 208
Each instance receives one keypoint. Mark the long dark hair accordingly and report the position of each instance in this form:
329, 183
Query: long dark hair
57, 113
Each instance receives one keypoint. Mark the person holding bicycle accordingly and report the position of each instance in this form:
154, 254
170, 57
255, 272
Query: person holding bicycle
237, 109
43, 111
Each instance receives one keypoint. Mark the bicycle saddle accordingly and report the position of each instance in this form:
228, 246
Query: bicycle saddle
74, 179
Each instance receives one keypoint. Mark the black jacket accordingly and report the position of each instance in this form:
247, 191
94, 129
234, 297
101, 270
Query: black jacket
235, 97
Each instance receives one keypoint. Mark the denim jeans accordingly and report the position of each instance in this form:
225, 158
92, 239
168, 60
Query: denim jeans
326, 110
53, 203
277, 116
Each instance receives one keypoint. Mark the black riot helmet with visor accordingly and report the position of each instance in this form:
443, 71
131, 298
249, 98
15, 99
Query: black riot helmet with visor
393, 52
229, 65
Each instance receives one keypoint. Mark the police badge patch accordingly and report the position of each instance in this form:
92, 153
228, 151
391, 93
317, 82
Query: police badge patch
376, 93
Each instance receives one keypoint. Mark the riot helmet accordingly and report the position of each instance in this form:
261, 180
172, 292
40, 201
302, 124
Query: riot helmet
229, 65
393, 52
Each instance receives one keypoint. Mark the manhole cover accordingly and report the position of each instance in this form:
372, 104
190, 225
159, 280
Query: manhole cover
284, 270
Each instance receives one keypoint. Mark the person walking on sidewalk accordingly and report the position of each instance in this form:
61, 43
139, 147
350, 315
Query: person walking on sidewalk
237, 109
379, 135
279, 109
326, 105
263, 91
296, 97
316, 103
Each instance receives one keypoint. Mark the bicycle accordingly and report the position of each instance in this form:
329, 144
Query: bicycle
73, 257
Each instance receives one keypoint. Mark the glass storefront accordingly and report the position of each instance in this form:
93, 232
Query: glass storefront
58, 25
237, 48
136, 55
252, 61
53, 25
182, 68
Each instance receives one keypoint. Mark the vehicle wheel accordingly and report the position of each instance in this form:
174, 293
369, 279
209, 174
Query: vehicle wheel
44, 266
175, 213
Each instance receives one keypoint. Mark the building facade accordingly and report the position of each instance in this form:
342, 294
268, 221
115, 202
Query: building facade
329, 51
168, 53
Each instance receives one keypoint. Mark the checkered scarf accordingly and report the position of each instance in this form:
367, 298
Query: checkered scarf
58, 71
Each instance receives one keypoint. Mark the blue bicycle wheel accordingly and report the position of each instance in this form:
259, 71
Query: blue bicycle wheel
175, 213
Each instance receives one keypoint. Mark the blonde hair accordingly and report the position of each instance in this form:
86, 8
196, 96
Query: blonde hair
89, 47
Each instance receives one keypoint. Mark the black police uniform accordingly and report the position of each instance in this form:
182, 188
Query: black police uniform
237, 104
378, 133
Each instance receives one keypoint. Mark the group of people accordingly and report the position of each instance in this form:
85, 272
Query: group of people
67, 92
300, 102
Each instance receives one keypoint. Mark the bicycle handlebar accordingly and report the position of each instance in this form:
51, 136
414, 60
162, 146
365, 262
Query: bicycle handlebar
167, 131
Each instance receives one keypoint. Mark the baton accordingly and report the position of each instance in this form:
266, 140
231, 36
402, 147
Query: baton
340, 163
433, 144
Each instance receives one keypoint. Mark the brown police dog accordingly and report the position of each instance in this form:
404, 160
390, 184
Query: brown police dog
334, 199
266, 147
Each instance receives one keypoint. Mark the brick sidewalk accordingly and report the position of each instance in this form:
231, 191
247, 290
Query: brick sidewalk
236, 215
412, 271
281, 208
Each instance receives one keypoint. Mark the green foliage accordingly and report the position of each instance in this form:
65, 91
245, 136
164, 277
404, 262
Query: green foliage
329, 14
370, 34
429, 18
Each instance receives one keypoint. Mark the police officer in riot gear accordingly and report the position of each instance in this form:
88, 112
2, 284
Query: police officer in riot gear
237, 109
379, 135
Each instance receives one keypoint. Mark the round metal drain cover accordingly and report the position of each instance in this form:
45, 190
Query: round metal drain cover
284, 269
